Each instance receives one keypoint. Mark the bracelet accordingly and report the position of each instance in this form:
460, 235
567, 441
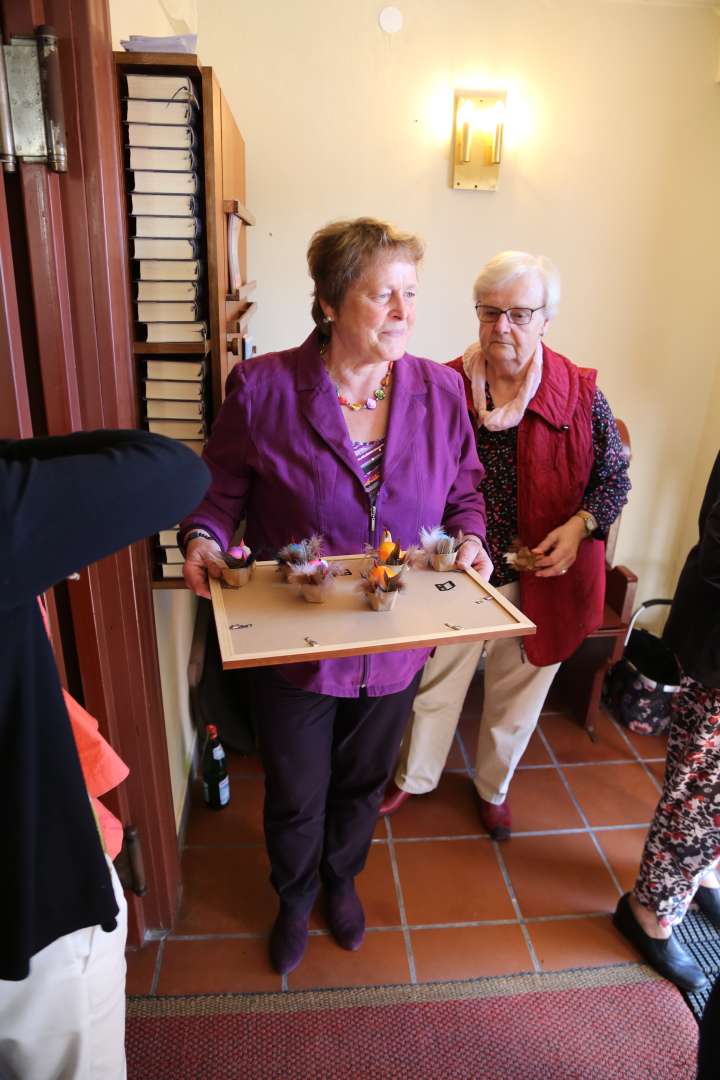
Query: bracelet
196, 534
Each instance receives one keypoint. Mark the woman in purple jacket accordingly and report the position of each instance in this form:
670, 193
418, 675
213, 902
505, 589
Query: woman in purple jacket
343, 436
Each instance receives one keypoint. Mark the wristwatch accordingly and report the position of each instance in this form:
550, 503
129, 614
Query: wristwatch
588, 520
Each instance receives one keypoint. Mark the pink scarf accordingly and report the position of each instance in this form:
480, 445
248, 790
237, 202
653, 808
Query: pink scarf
511, 413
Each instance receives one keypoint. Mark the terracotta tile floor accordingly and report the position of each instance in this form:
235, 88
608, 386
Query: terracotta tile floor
442, 900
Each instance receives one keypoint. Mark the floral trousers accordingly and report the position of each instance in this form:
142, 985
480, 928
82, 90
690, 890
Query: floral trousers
683, 843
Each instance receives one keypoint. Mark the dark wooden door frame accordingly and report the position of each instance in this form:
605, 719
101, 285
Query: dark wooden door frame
76, 242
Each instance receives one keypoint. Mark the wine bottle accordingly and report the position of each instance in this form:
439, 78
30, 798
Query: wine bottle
216, 782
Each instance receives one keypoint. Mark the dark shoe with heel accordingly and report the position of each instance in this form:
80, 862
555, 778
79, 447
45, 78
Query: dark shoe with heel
288, 939
708, 900
666, 955
393, 799
496, 819
345, 917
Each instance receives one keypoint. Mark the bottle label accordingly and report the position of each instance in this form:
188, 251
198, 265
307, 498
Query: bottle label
218, 753
224, 789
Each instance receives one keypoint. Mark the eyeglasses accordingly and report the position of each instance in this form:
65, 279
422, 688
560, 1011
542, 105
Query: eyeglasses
520, 316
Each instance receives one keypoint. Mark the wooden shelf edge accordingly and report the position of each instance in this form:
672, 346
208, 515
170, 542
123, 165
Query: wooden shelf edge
232, 206
242, 293
169, 60
242, 321
168, 583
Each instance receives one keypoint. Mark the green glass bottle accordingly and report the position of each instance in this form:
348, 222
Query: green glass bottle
216, 782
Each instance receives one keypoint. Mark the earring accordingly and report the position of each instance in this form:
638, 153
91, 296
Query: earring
327, 318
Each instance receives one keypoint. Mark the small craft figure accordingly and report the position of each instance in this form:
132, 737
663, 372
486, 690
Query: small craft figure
381, 585
389, 553
296, 554
440, 548
314, 578
238, 567
520, 557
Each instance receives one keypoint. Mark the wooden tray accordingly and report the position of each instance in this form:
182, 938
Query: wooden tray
268, 621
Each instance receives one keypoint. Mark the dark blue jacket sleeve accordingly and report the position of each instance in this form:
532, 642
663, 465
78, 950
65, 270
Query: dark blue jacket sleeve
70, 500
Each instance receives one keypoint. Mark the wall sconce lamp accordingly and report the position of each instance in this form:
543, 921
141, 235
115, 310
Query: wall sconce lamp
478, 139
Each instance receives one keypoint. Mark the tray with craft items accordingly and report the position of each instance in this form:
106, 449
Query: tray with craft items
351, 612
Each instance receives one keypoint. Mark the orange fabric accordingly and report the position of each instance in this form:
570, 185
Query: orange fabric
102, 769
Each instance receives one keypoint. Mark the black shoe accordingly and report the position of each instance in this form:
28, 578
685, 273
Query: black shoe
666, 955
288, 939
708, 900
345, 917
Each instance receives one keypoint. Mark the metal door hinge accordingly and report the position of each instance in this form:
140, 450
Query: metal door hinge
32, 120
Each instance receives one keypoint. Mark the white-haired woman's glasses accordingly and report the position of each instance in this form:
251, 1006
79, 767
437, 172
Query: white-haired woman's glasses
518, 315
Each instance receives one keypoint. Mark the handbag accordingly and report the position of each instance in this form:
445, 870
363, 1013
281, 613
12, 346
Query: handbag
638, 690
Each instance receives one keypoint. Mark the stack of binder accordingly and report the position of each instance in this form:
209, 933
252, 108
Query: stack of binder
160, 115
175, 402
170, 557
165, 197
175, 399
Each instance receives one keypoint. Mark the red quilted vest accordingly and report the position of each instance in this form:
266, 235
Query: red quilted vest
554, 461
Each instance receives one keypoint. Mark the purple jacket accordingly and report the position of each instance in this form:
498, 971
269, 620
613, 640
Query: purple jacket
280, 455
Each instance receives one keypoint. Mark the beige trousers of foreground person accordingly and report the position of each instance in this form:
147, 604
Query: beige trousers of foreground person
515, 691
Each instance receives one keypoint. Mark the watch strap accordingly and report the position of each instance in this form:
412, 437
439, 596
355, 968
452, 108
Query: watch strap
589, 520
195, 534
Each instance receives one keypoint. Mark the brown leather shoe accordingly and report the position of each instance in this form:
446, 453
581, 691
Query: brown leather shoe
393, 799
496, 819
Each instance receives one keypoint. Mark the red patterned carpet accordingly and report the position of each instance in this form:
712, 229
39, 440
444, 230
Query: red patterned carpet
619, 1023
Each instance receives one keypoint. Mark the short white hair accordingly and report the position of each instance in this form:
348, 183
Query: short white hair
511, 264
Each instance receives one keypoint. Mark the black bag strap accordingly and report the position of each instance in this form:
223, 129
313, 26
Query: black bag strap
638, 612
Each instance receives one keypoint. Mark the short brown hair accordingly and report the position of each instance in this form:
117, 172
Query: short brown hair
339, 253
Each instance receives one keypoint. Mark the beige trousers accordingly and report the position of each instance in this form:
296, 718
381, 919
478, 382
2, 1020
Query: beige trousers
515, 691
66, 1020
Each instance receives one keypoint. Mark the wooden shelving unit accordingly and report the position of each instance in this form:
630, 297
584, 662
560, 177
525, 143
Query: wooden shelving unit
226, 218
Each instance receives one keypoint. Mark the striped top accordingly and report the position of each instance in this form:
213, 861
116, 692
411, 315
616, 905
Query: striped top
369, 456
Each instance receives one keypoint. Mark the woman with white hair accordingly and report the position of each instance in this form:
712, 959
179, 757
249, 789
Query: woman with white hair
555, 480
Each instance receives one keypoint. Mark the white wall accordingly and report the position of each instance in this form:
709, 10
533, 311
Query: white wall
174, 622
151, 18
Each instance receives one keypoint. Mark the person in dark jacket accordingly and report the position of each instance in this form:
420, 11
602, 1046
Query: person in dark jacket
64, 502
683, 845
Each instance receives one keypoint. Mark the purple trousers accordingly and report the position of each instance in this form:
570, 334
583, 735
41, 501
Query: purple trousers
327, 761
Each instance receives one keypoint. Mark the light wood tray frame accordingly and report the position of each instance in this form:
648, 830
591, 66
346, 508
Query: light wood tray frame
268, 622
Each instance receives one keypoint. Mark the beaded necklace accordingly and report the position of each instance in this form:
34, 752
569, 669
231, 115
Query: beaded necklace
370, 402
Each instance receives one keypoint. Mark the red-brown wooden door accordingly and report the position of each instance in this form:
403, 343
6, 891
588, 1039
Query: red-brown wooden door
66, 364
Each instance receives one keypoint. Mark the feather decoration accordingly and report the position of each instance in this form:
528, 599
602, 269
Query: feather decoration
297, 553
238, 557
312, 572
436, 541
440, 548
314, 578
384, 578
389, 553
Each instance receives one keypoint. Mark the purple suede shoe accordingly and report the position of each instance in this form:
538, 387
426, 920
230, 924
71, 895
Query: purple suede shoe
288, 939
345, 917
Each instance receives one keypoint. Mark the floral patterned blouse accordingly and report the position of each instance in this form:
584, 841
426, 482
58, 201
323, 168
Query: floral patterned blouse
605, 494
